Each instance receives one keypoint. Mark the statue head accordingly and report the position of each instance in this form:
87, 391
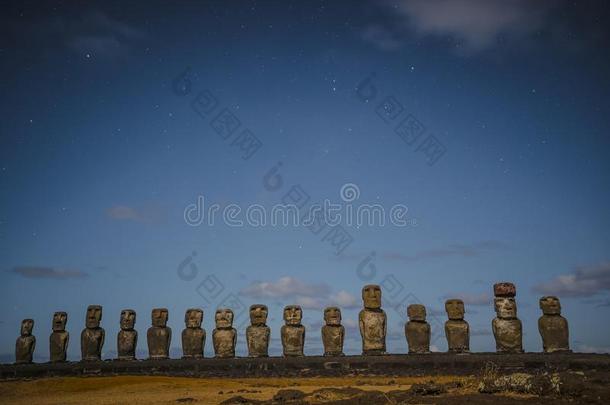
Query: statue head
159, 317
258, 314
332, 316
193, 318
550, 305
224, 318
26, 327
128, 319
293, 315
60, 319
505, 289
455, 309
94, 316
416, 312
505, 307
371, 295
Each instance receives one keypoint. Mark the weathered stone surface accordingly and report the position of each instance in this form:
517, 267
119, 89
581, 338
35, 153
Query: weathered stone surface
457, 329
417, 330
193, 336
505, 289
26, 343
333, 333
258, 333
224, 336
159, 335
372, 321
506, 327
552, 326
293, 332
127, 338
92, 337
59, 339
391, 365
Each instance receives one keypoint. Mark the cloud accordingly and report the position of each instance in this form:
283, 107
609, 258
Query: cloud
584, 348
47, 272
92, 34
459, 250
583, 281
127, 213
474, 25
308, 296
381, 37
470, 298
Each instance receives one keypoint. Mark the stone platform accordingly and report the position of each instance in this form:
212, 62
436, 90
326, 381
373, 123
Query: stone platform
312, 366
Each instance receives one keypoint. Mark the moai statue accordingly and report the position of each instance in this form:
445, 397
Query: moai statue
293, 333
372, 321
127, 338
506, 327
159, 335
457, 330
92, 337
552, 326
333, 333
417, 330
26, 343
258, 333
224, 336
193, 336
58, 341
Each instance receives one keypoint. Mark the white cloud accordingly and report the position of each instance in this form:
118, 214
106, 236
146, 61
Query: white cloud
584, 281
307, 295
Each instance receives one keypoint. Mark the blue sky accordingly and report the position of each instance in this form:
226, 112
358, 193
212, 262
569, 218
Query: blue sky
100, 156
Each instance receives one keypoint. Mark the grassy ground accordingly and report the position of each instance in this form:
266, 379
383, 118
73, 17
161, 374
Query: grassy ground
562, 388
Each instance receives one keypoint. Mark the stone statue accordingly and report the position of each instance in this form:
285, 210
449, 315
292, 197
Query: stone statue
159, 335
127, 338
417, 330
193, 336
457, 330
258, 333
26, 343
333, 333
293, 333
58, 341
506, 327
552, 326
92, 337
224, 336
372, 321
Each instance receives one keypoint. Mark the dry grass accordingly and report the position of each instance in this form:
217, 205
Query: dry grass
164, 390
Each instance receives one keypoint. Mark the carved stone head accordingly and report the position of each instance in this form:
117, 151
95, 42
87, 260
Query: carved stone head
193, 318
258, 314
128, 319
455, 309
293, 315
94, 316
159, 317
371, 295
60, 319
550, 305
505, 289
332, 316
506, 308
224, 318
26, 327
416, 312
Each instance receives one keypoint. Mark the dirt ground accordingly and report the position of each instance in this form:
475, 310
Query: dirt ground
592, 388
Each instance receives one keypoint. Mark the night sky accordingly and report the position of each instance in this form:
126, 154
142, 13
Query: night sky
487, 119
